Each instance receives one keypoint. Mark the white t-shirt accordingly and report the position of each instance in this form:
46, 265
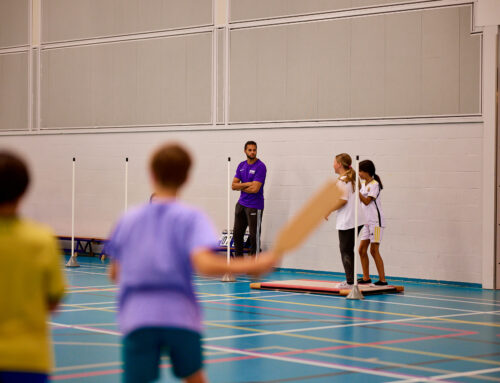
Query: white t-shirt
345, 215
373, 211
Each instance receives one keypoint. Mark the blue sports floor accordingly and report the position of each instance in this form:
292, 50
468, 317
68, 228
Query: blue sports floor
431, 332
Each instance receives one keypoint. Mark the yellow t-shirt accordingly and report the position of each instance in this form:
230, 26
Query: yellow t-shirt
31, 277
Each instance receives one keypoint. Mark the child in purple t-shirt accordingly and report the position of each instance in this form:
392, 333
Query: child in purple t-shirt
154, 250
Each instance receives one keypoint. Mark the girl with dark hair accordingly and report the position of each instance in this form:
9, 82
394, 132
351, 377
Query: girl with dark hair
371, 234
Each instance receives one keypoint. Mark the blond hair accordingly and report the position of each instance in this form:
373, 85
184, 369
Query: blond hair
345, 161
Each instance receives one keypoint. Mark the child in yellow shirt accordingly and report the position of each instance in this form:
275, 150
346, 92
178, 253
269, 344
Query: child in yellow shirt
31, 282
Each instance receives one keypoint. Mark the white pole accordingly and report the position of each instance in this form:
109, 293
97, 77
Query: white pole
126, 183
228, 277
39, 70
355, 292
30, 68
226, 67
257, 250
73, 210
228, 208
356, 207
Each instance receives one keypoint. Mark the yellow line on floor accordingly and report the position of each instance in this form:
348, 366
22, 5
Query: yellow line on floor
367, 311
345, 342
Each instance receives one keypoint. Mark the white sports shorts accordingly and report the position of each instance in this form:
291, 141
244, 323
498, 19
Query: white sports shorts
371, 232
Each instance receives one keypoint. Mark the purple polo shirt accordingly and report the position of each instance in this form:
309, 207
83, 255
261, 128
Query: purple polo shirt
248, 173
153, 245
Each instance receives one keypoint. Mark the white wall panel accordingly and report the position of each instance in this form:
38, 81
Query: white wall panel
333, 62
470, 50
405, 64
301, 74
403, 70
14, 23
368, 67
271, 74
441, 61
160, 81
14, 91
74, 20
244, 10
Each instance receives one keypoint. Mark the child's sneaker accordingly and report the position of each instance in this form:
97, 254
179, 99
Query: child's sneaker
380, 283
345, 285
361, 281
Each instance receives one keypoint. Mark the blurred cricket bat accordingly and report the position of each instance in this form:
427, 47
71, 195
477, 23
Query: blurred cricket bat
297, 229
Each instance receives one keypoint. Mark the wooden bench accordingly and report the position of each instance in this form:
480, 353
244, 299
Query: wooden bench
83, 245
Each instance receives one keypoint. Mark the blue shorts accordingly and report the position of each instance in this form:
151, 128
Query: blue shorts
143, 348
22, 377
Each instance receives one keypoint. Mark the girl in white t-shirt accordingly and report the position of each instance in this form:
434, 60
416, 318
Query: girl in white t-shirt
371, 234
345, 215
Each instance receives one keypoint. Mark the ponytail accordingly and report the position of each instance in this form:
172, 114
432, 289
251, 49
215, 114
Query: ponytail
350, 176
345, 160
377, 178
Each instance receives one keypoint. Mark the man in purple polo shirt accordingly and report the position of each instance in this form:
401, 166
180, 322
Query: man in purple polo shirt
249, 179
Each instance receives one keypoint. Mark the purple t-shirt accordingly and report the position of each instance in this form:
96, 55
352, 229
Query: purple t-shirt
248, 173
153, 245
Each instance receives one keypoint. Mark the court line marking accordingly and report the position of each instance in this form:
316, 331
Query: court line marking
385, 363
92, 290
336, 307
87, 309
329, 365
379, 312
88, 287
454, 297
259, 355
217, 348
258, 332
97, 344
453, 375
395, 303
84, 272
403, 304
98, 324
406, 296
236, 298
89, 303
84, 366
450, 300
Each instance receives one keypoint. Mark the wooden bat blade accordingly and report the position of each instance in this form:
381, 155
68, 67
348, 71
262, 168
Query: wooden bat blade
312, 213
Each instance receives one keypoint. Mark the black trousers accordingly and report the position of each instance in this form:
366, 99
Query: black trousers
245, 217
346, 244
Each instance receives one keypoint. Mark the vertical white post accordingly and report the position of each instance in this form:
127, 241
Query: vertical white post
259, 215
226, 68
126, 184
228, 208
228, 277
30, 68
355, 292
39, 70
214, 76
489, 98
356, 208
73, 210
